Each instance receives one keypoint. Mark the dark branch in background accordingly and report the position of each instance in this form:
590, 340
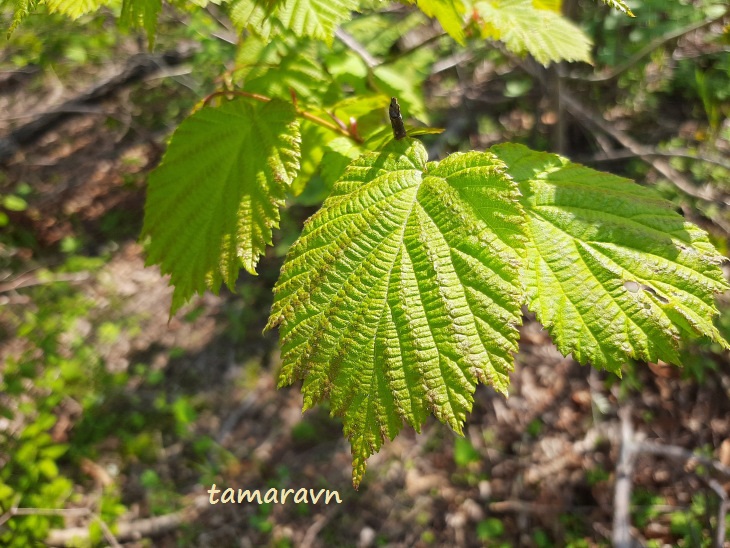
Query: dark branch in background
138, 67
646, 50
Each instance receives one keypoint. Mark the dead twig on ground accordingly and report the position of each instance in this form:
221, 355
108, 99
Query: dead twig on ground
131, 530
621, 535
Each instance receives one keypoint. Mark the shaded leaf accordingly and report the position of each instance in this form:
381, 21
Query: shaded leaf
212, 202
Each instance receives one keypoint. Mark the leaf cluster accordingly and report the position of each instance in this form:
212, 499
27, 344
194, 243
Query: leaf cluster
405, 290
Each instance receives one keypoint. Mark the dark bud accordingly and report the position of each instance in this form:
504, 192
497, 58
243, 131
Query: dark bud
396, 120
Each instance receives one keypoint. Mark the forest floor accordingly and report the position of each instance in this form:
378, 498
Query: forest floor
537, 468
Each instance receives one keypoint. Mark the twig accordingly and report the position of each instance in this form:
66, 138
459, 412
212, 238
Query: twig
646, 50
132, 530
621, 535
707, 193
719, 540
30, 281
314, 529
679, 453
350, 41
108, 535
610, 155
302, 113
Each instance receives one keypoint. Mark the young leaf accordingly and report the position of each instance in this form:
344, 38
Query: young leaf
619, 5
402, 292
546, 35
141, 13
315, 18
252, 16
212, 202
612, 271
449, 13
23, 8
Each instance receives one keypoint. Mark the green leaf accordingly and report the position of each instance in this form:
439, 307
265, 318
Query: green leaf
252, 16
402, 292
23, 8
612, 271
449, 13
74, 8
212, 202
619, 5
315, 18
141, 13
546, 35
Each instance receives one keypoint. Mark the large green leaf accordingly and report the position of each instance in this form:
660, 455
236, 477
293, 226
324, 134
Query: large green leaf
545, 34
212, 202
612, 271
402, 292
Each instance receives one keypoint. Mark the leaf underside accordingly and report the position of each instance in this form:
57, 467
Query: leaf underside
212, 202
611, 270
401, 293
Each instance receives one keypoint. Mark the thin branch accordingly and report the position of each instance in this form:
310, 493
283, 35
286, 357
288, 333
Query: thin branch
301, 113
679, 453
350, 41
722, 510
621, 537
29, 281
647, 50
132, 530
707, 193
610, 155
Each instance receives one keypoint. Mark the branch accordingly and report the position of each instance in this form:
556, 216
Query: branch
301, 113
350, 41
610, 155
621, 537
133, 530
679, 453
595, 121
29, 281
722, 510
646, 50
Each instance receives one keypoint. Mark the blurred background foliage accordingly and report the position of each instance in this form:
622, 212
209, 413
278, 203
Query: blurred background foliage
109, 413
